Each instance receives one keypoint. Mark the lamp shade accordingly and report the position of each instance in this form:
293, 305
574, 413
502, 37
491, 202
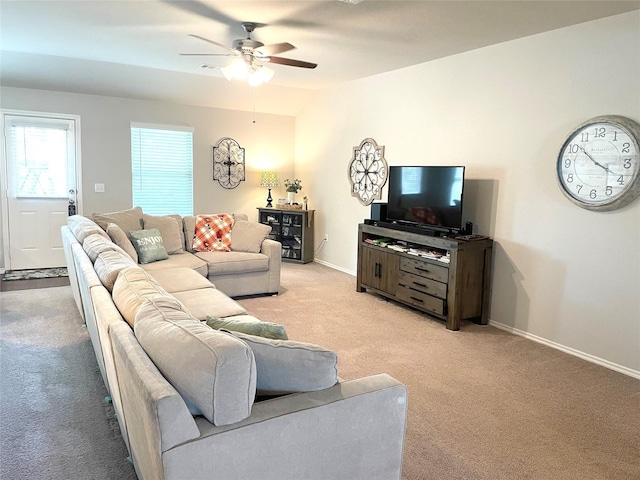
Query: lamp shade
269, 179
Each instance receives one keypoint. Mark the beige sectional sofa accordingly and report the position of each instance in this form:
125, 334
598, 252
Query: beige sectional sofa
252, 267
187, 395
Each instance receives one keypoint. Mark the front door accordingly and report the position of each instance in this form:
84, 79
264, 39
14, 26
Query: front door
40, 155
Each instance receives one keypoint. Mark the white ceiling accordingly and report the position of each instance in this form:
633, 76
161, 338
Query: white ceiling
131, 48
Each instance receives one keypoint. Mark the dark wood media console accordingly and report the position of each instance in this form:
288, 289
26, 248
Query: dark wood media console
452, 291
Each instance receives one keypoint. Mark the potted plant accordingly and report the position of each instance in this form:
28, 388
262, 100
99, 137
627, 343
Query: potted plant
292, 188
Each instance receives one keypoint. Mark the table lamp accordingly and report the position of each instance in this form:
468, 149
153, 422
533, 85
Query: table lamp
269, 179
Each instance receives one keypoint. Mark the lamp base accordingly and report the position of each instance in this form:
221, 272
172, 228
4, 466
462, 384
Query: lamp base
269, 199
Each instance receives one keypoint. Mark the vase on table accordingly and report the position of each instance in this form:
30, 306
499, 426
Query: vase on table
291, 197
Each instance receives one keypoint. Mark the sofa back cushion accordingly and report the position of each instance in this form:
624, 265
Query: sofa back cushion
248, 236
214, 372
95, 244
170, 227
132, 287
127, 220
120, 238
82, 227
109, 264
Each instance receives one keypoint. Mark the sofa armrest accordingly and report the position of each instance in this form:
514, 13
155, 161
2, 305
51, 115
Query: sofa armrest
273, 250
353, 430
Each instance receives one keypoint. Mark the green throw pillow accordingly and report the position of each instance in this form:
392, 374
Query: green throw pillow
250, 327
148, 245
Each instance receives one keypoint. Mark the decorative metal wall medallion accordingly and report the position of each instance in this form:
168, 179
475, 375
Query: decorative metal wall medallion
228, 163
368, 171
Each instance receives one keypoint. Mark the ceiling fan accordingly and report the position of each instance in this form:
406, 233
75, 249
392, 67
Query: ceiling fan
250, 54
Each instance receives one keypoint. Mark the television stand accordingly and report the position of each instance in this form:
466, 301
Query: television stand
452, 284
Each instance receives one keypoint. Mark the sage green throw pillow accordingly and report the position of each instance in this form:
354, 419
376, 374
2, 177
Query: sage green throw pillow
148, 245
250, 326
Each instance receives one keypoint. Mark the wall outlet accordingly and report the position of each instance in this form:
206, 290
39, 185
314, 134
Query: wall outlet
98, 188
326, 237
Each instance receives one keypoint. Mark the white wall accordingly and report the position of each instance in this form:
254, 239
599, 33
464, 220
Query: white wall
561, 273
106, 146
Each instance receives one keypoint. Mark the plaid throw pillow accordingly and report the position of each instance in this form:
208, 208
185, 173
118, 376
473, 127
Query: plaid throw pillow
213, 233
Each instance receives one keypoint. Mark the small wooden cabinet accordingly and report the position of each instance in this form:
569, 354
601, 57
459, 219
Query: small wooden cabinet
450, 290
293, 229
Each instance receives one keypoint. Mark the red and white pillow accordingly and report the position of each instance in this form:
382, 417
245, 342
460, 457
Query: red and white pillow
213, 233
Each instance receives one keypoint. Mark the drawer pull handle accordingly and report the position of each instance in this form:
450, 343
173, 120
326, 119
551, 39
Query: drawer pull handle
417, 299
423, 269
420, 284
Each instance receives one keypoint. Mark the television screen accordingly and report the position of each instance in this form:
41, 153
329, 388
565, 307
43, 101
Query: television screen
426, 195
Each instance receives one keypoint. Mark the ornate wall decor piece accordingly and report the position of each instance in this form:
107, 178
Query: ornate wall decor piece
368, 171
228, 163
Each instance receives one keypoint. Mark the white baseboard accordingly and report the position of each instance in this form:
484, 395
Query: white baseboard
571, 351
335, 267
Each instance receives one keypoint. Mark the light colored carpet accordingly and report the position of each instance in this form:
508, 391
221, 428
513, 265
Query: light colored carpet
483, 404
54, 422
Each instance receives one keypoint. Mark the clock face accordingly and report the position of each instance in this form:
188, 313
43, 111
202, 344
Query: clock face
599, 166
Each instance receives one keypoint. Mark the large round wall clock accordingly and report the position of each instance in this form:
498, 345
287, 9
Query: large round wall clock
598, 165
368, 171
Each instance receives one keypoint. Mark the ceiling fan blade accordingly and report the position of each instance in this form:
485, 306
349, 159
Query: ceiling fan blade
290, 62
206, 54
212, 42
274, 49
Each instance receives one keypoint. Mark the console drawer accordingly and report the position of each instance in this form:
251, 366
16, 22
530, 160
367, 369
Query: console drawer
422, 284
424, 269
421, 300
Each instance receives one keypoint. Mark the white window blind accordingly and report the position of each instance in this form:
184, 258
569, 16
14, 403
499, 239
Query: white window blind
162, 169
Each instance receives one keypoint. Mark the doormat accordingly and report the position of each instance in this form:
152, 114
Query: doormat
33, 274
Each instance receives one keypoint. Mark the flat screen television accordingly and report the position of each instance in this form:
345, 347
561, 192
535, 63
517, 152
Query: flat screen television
426, 196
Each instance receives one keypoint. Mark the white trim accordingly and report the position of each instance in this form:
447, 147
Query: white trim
335, 267
160, 126
571, 351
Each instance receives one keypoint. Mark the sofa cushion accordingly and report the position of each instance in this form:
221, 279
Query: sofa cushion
248, 236
82, 227
214, 372
249, 325
180, 279
288, 366
209, 301
127, 220
170, 230
109, 264
132, 287
148, 245
95, 244
213, 233
121, 239
223, 263
177, 260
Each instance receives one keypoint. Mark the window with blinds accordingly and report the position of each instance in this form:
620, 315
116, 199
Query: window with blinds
162, 169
